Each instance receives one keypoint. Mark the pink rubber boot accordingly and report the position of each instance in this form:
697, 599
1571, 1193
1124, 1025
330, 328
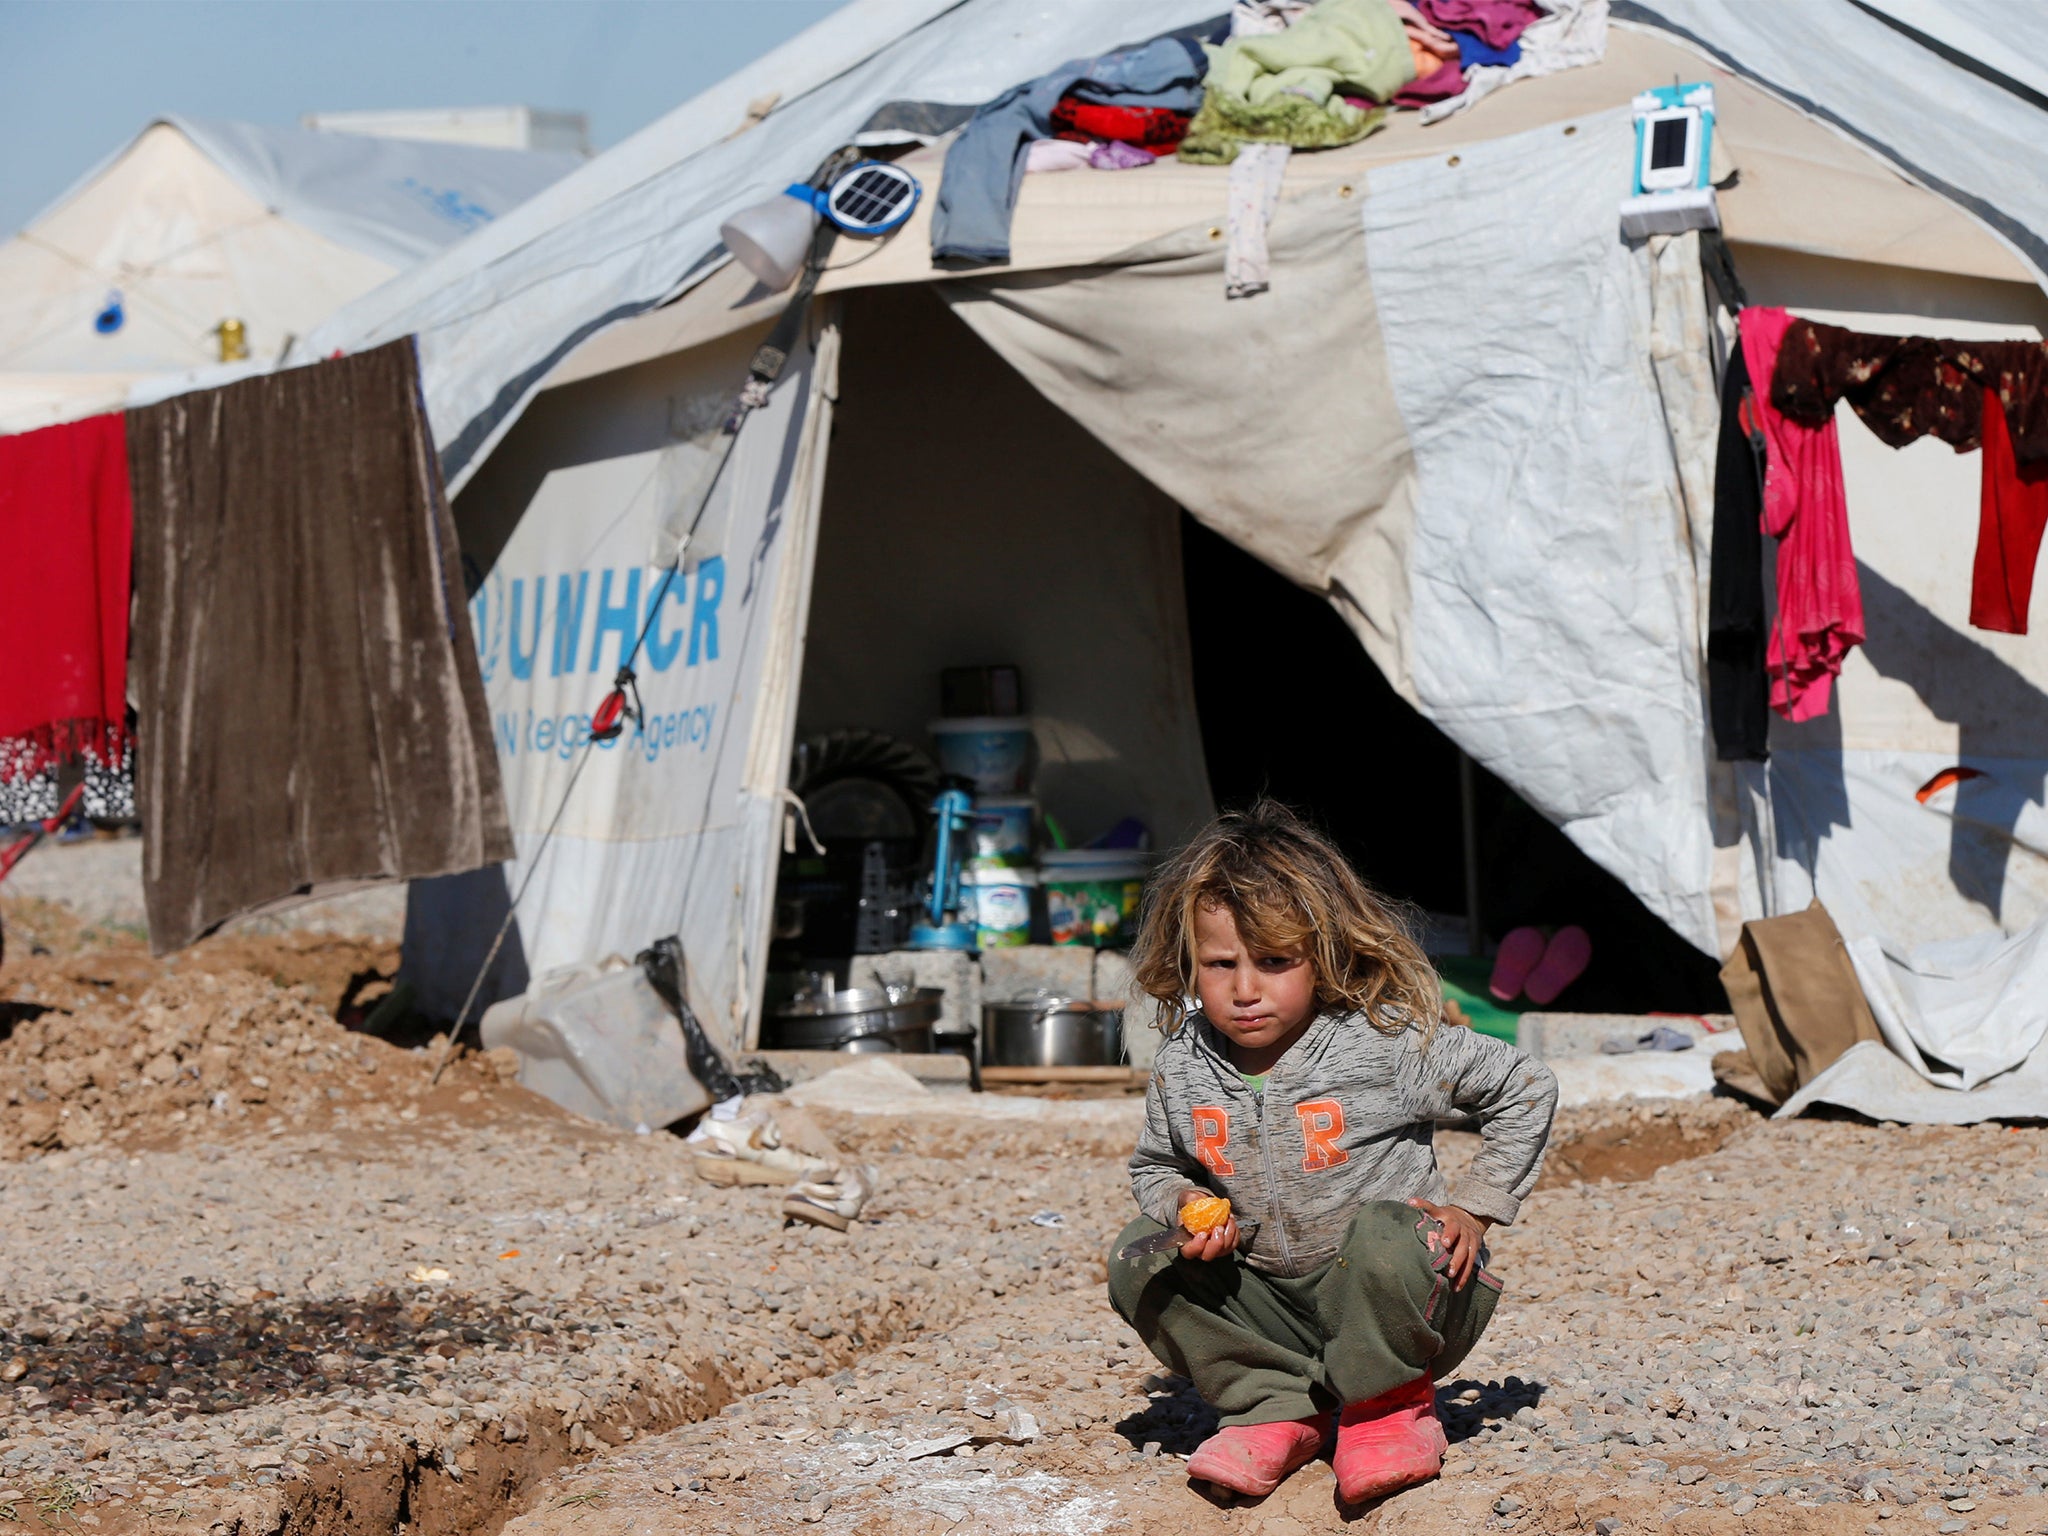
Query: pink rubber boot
1389, 1443
1564, 961
1519, 953
1253, 1458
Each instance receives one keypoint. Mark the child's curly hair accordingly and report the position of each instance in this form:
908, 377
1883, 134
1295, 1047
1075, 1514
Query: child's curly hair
1290, 888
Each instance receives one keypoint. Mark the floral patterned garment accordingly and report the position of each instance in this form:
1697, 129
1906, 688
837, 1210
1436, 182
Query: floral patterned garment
1908, 387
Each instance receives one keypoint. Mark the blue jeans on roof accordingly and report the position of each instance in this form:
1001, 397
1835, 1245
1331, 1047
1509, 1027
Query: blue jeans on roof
985, 166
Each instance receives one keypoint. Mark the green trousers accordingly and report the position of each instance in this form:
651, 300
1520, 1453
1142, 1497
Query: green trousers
1261, 1348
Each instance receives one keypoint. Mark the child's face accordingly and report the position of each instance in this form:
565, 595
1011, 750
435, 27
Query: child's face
1256, 1000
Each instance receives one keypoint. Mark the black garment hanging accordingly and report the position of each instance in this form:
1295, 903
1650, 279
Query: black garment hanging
1738, 687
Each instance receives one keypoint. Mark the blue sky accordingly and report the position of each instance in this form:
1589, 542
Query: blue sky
78, 78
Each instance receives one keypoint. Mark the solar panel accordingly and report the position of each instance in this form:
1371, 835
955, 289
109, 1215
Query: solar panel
871, 198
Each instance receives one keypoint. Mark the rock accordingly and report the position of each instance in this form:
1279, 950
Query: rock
1013, 1426
1508, 1504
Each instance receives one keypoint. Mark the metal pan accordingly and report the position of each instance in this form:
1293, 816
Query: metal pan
1052, 1032
861, 1020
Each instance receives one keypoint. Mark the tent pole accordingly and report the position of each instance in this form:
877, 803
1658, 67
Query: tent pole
1468, 827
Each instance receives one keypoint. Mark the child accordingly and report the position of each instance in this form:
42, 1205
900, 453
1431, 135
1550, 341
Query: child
1306, 1089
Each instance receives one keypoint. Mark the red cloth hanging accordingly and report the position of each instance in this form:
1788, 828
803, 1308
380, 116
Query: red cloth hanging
2011, 516
66, 526
1820, 600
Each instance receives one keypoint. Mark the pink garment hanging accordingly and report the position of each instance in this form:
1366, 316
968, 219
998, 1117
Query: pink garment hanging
1820, 602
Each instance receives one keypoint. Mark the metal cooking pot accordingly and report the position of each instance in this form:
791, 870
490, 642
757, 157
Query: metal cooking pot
864, 1019
1052, 1032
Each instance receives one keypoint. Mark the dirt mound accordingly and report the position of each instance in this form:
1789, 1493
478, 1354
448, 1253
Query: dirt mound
1627, 1142
196, 1051
54, 959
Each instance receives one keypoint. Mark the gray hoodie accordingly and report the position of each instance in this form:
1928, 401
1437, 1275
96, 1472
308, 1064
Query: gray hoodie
1347, 1116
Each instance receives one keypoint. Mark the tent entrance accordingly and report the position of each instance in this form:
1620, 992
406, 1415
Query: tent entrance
1291, 706
968, 521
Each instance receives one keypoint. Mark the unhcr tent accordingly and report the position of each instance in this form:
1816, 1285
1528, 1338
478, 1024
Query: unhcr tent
1468, 414
193, 222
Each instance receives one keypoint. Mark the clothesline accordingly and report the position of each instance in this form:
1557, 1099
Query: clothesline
1779, 472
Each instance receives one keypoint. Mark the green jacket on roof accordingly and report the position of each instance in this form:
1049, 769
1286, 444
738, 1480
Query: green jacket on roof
1282, 87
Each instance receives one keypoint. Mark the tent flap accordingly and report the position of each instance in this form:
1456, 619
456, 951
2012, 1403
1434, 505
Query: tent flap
1495, 504
672, 827
1555, 622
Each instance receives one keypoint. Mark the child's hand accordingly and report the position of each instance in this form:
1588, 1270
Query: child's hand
1208, 1245
1464, 1235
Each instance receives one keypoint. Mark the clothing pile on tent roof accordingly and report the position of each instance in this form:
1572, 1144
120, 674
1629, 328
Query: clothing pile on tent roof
1282, 75
1781, 474
308, 705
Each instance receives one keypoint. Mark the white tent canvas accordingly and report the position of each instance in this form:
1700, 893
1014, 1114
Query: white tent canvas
1529, 574
194, 222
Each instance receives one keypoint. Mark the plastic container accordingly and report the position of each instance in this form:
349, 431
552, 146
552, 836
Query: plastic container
991, 752
1000, 832
599, 1041
1091, 894
1002, 905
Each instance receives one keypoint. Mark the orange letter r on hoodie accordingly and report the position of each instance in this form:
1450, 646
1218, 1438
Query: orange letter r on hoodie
1212, 1135
1322, 1122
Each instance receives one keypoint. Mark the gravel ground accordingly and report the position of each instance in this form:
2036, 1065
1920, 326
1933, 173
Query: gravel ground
280, 1284
1705, 1350
395, 1305
549, 1288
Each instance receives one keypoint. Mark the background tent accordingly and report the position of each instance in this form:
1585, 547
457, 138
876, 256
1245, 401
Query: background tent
127, 274
1523, 557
